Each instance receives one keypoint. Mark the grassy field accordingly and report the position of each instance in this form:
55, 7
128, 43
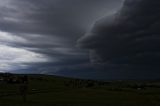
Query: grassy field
56, 91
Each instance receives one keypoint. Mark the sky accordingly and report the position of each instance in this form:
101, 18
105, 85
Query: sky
96, 39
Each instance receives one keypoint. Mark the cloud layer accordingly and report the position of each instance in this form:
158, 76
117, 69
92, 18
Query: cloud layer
44, 32
130, 38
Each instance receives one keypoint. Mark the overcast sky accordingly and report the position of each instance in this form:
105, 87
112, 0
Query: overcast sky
78, 38
45, 32
127, 42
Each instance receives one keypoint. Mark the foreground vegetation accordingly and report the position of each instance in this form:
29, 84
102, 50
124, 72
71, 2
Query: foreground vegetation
58, 91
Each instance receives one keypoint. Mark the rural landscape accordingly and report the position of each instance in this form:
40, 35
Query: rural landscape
79, 52
60, 91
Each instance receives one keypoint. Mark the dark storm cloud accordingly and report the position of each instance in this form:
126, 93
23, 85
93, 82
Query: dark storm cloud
130, 38
50, 17
50, 27
58, 19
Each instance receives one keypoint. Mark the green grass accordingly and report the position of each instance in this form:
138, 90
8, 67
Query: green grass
55, 93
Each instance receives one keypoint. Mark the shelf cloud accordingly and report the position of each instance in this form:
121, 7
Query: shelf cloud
129, 38
44, 32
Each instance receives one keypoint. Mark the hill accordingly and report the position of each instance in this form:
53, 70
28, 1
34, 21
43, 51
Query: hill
59, 91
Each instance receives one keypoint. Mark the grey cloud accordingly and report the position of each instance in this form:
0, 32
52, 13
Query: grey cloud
129, 37
50, 17
52, 27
